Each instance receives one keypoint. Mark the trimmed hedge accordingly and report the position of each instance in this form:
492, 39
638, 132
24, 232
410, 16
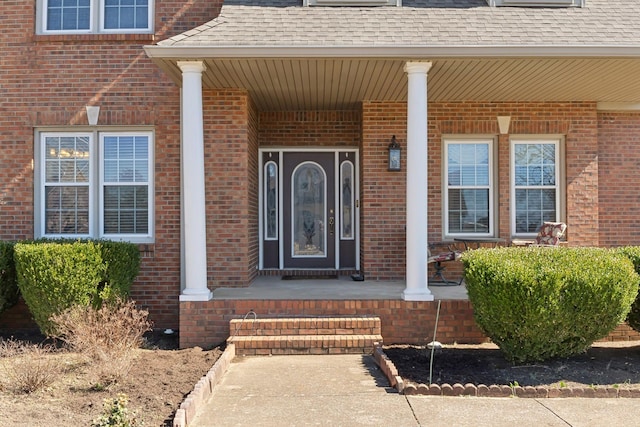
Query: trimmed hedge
540, 303
9, 291
56, 275
633, 253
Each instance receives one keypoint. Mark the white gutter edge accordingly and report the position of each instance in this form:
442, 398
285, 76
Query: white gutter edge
618, 106
186, 52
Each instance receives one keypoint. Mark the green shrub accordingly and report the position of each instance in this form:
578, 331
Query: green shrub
122, 262
541, 303
56, 275
9, 291
633, 253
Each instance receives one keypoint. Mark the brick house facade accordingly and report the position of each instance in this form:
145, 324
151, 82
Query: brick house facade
48, 79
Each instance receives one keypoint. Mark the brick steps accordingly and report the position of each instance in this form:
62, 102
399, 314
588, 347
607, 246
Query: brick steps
317, 335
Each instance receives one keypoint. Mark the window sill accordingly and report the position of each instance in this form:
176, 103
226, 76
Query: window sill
81, 38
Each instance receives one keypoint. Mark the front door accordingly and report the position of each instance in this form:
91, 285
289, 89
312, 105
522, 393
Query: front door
309, 208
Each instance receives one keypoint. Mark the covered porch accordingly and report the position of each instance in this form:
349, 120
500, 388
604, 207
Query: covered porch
402, 321
338, 288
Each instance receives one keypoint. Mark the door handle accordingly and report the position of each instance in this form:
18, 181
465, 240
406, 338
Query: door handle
331, 224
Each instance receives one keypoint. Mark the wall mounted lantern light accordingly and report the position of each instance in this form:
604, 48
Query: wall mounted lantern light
394, 154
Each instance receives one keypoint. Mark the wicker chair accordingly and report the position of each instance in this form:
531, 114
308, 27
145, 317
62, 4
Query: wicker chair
549, 234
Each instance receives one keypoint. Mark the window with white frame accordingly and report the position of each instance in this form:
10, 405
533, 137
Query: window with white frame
538, 3
535, 184
96, 185
95, 16
352, 2
469, 194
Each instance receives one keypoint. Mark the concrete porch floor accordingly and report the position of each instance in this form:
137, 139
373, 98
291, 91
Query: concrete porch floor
342, 288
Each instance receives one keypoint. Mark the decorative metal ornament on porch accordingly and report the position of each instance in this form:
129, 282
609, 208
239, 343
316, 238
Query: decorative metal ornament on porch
394, 154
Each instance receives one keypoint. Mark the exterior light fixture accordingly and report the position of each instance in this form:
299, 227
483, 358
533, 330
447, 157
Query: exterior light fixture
394, 154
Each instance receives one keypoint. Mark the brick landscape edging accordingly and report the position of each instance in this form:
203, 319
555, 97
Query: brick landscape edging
482, 390
203, 389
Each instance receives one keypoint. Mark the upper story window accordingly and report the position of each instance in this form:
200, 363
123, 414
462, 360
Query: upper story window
537, 3
95, 16
469, 193
95, 185
352, 2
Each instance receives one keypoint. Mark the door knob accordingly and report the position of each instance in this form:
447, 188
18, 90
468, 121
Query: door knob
331, 224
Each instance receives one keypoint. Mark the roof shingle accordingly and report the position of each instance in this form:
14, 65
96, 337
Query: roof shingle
438, 23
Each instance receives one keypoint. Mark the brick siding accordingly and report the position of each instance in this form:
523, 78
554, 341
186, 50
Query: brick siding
383, 192
618, 161
402, 322
48, 80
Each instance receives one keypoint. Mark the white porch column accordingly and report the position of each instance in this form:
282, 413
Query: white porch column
193, 194
417, 244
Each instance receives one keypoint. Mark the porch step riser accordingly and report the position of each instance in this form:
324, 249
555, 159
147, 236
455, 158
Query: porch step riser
306, 344
306, 326
338, 335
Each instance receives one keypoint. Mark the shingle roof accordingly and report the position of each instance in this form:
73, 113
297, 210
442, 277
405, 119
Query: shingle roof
275, 23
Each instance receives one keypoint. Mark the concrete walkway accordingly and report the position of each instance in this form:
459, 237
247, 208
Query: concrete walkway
349, 390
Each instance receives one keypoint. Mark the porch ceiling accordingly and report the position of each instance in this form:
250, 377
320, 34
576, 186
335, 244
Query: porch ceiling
293, 84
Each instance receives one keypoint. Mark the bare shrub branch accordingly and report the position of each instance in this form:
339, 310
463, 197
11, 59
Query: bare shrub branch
27, 368
106, 337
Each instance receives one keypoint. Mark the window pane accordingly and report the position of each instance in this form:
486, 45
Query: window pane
126, 158
110, 171
535, 175
67, 159
126, 14
482, 175
454, 154
468, 154
549, 154
142, 17
271, 200
468, 169
110, 147
126, 161
141, 171
125, 147
346, 199
521, 175
454, 175
309, 207
52, 171
142, 221
549, 200
549, 175
533, 207
126, 210
68, 15
82, 171
127, 197
468, 175
141, 147
67, 210
534, 172
534, 154
125, 171
468, 211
